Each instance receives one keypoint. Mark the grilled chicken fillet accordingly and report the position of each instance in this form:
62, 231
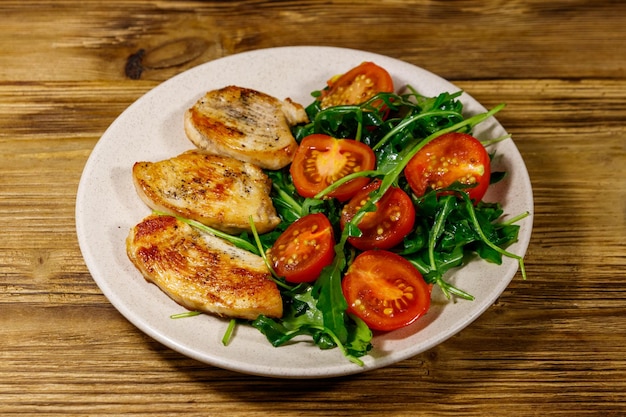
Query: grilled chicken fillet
217, 191
202, 272
245, 124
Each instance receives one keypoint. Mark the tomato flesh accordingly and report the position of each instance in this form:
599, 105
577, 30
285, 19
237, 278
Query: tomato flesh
385, 290
384, 228
452, 157
320, 160
303, 249
357, 85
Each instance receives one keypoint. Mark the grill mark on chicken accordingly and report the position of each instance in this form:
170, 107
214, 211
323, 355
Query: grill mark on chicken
202, 272
245, 124
217, 191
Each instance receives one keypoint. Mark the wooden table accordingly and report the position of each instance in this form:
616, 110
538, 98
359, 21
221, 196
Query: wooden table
554, 344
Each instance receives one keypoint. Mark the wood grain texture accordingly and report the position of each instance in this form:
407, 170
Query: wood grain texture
554, 344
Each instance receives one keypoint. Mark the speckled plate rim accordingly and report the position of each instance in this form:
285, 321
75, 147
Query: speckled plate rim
151, 129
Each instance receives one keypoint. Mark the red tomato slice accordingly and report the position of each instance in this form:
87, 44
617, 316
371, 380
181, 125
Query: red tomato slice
303, 249
385, 290
453, 157
320, 160
388, 225
356, 86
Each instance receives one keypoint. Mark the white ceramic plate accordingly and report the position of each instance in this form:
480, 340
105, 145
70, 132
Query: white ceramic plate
151, 129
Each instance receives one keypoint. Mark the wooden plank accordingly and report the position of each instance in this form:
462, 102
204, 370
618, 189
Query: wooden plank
461, 39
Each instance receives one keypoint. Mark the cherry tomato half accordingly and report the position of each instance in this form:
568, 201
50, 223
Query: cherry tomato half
385, 290
320, 160
388, 225
452, 157
303, 249
356, 86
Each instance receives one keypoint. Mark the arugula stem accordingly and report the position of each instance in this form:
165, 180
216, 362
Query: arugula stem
229, 332
448, 289
496, 140
476, 223
408, 121
288, 199
263, 255
239, 242
438, 229
515, 219
185, 314
344, 180
359, 127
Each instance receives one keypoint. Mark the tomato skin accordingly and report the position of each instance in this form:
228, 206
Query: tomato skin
356, 86
303, 249
449, 158
386, 227
385, 290
320, 160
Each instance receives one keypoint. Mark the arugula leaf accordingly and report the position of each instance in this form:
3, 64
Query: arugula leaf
332, 303
303, 316
453, 227
359, 337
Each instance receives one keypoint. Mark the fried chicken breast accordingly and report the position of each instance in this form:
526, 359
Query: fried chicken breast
202, 272
245, 124
217, 191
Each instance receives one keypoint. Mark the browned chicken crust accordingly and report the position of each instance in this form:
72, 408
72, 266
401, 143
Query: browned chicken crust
217, 191
202, 272
245, 124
